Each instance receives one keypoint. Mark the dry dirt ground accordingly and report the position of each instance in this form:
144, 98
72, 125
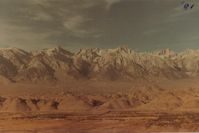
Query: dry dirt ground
109, 122
100, 107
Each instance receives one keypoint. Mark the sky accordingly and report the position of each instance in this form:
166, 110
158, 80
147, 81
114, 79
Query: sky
143, 25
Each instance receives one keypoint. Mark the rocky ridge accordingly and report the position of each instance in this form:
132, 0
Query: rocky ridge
107, 64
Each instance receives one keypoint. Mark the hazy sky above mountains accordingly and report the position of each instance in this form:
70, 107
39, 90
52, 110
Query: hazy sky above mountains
141, 24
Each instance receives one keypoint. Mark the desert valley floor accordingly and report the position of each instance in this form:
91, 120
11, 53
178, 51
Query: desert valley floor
99, 107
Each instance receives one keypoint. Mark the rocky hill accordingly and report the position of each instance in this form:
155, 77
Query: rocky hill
106, 64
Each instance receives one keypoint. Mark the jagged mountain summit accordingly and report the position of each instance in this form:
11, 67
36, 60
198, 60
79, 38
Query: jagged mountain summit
105, 64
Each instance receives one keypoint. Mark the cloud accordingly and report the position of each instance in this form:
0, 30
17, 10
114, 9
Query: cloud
22, 37
74, 25
35, 21
111, 2
41, 16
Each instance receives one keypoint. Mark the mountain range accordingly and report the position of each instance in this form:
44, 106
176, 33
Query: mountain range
58, 64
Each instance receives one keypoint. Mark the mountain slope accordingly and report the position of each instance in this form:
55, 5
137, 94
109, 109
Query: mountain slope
104, 64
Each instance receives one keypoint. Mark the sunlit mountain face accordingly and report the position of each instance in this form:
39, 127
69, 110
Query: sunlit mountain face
55, 64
